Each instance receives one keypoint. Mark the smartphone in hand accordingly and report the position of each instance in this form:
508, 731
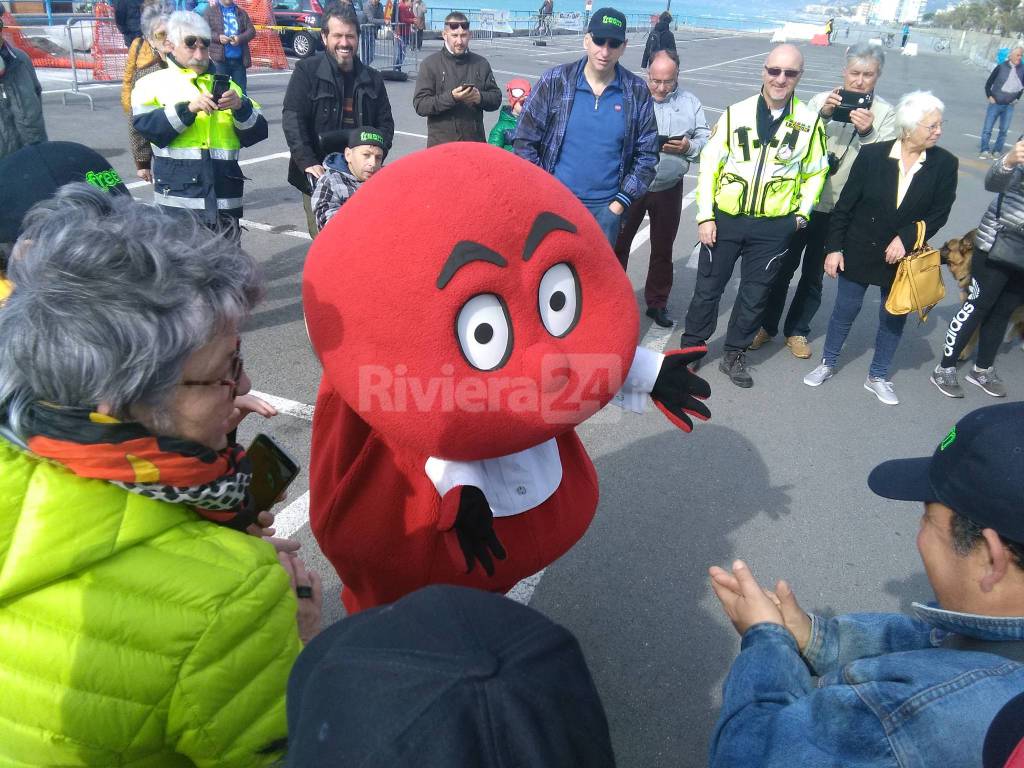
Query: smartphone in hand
273, 470
221, 85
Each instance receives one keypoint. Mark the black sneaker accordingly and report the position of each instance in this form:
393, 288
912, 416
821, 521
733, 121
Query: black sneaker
734, 365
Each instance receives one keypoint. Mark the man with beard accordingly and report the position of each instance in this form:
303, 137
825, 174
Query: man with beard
195, 128
455, 87
328, 95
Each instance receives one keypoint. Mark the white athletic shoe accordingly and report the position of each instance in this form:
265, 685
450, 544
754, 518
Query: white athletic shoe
819, 375
881, 389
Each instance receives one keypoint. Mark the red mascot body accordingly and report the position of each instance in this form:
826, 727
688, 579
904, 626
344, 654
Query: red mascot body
468, 313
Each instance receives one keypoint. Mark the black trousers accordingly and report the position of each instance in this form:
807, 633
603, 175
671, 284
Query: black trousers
994, 293
811, 241
760, 245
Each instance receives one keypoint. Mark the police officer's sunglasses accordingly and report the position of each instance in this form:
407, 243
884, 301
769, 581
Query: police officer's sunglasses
791, 74
601, 42
195, 41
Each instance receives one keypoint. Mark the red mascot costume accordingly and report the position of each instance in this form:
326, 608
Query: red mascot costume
462, 340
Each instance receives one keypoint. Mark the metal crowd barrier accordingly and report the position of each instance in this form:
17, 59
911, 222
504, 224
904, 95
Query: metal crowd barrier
75, 87
390, 47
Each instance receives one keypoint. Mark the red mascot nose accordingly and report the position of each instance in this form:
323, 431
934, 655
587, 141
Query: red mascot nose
549, 366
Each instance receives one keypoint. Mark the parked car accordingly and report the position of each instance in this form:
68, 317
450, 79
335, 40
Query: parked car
306, 14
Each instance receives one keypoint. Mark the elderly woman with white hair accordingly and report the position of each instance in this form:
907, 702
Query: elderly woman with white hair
139, 625
894, 187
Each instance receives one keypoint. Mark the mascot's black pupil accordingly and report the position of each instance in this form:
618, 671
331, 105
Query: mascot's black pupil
483, 333
557, 301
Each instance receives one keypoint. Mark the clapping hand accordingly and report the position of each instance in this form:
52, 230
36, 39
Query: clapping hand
746, 603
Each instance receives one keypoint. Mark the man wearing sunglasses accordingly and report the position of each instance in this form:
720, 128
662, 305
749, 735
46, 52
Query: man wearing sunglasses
761, 173
196, 135
591, 123
455, 87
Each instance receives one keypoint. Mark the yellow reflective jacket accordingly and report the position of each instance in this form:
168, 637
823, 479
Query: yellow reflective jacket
739, 176
195, 155
132, 632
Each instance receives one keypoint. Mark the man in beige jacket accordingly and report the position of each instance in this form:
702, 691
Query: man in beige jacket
845, 137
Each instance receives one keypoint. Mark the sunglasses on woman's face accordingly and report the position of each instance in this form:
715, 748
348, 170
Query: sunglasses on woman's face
791, 74
194, 41
601, 42
517, 93
454, 25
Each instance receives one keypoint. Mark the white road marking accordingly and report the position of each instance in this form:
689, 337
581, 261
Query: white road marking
279, 229
730, 61
972, 136
285, 406
293, 517
414, 135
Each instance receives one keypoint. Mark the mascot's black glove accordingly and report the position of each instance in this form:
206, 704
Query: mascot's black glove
678, 391
464, 511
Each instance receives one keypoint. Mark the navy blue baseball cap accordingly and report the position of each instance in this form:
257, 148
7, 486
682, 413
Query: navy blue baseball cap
608, 22
446, 676
977, 471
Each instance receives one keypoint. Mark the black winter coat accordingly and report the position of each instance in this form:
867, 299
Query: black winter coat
448, 119
866, 218
660, 39
313, 106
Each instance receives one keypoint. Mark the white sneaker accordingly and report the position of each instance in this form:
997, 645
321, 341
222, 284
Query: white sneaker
881, 389
819, 375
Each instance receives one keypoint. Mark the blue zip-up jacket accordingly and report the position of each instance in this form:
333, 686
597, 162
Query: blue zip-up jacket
545, 115
893, 691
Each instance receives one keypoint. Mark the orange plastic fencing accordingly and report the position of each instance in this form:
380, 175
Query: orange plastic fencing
108, 53
40, 58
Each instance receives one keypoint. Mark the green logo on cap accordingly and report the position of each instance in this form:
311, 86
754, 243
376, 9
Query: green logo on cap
611, 20
948, 439
104, 180
369, 136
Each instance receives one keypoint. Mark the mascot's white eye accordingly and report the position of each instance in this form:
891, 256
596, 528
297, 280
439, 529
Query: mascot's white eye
484, 331
558, 299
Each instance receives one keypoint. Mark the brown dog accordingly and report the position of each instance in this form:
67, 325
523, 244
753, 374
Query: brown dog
957, 254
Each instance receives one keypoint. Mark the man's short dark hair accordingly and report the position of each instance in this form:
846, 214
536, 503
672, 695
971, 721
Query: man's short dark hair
343, 12
966, 535
456, 16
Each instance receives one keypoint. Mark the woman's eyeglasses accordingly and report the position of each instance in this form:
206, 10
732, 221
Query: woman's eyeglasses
195, 41
933, 128
454, 25
791, 74
601, 42
237, 366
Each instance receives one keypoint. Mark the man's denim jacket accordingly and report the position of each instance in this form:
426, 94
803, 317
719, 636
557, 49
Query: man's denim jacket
545, 115
892, 690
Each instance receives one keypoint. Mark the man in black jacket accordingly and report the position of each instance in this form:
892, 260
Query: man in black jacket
455, 87
127, 17
329, 94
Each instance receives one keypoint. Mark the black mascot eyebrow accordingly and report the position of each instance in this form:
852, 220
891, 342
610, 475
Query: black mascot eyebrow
464, 252
543, 225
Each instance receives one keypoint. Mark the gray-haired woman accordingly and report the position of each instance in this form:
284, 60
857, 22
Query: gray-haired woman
147, 54
159, 634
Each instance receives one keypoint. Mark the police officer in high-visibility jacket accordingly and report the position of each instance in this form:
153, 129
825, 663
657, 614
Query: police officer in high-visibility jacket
195, 138
760, 175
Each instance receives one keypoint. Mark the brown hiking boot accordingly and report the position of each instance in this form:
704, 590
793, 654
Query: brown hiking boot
760, 339
799, 347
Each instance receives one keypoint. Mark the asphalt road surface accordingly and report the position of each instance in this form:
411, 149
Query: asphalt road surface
777, 476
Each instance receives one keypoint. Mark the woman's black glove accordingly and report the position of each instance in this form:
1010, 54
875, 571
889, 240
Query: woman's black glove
678, 391
466, 513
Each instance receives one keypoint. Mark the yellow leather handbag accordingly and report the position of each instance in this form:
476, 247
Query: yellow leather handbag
918, 284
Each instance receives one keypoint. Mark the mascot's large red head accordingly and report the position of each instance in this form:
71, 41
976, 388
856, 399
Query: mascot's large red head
467, 305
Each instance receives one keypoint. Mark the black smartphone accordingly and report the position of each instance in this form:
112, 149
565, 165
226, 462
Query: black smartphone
662, 140
221, 85
273, 470
851, 100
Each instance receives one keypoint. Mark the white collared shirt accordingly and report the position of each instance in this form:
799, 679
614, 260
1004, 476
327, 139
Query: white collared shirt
905, 177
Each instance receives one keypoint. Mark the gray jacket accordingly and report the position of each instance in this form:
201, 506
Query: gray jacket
680, 113
1011, 182
21, 103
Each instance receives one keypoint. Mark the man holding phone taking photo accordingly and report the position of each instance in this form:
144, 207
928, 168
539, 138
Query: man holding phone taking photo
455, 87
846, 130
197, 124
682, 133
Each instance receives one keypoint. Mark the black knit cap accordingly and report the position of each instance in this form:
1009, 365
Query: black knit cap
446, 676
34, 173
